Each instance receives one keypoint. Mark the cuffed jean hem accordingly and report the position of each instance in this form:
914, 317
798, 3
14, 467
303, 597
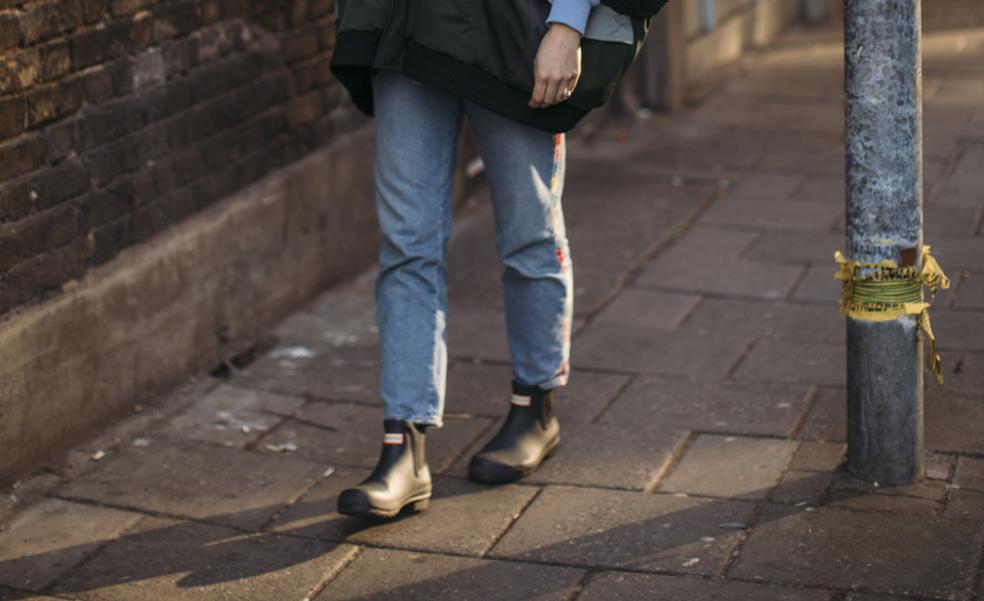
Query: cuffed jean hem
435, 421
520, 387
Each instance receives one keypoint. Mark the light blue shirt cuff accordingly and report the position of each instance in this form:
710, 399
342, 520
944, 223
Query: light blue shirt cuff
573, 13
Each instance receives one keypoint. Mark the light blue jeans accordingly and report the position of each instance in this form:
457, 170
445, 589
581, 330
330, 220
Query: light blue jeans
417, 130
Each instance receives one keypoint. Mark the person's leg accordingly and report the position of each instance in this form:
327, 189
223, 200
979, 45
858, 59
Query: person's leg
525, 171
416, 138
416, 141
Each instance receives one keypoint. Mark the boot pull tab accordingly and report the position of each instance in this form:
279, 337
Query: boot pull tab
416, 437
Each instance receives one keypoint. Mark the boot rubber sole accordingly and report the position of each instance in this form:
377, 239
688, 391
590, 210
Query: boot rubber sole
361, 507
492, 472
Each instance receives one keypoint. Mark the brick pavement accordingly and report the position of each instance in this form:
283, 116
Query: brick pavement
704, 423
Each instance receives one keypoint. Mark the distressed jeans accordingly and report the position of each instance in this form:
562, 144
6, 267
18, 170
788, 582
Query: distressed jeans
417, 130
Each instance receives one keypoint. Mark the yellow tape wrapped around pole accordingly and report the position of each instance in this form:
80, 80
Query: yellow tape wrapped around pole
885, 292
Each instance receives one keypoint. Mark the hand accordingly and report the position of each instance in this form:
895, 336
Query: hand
557, 66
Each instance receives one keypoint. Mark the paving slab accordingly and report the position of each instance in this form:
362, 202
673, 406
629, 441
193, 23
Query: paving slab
805, 362
221, 485
796, 247
941, 220
802, 488
960, 254
484, 389
386, 575
617, 529
932, 490
771, 214
939, 466
769, 320
343, 374
710, 406
464, 518
620, 586
970, 293
647, 350
970, 473
648, 308
730, 466
965, 505
611, 456
954, 420
966, 374
232, 416
44, 541
346, 434
9, 594
827, 421
708, 260
958, 330
819, 286
891, 554
845, 499
167, 560
818, 456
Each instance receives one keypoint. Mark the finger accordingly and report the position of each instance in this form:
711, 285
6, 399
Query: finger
550, 96
539, 91
567, 89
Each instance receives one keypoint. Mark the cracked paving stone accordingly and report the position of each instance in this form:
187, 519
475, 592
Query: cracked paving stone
619, 529
388, 575
338, 374
167, 560
464, 518
232, 416
730, 466
892, 554
965, 505
652, 587
222, 485
44, 541
970, 473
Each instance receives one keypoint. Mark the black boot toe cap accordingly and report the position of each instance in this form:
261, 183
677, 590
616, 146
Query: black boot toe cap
354, 501
489, 471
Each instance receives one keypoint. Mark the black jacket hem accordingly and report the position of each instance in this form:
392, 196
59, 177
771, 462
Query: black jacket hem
355, 54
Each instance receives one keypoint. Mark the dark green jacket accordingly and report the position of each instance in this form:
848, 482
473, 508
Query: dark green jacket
481, 50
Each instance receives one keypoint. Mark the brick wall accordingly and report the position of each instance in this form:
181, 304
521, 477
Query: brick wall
119, 118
